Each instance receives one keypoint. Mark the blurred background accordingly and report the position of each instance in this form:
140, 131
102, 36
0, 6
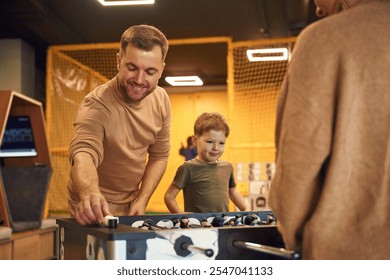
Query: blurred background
57, 51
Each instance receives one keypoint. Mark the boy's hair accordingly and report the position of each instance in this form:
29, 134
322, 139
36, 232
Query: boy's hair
144, 37
210, 121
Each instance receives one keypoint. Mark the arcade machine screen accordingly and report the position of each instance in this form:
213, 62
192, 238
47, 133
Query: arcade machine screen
18, 140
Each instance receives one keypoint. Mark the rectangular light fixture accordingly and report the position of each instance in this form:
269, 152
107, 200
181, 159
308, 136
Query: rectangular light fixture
273, 54
125, 3
184, 81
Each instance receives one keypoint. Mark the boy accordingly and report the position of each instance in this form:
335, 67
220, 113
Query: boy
206, 181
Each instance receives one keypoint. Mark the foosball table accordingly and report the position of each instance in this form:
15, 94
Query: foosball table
194, 236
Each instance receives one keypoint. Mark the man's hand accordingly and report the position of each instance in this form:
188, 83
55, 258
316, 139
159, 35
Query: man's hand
137, 208
92, 209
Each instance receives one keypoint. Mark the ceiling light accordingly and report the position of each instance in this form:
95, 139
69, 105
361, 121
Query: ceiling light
124, 3
274, 54
184, 81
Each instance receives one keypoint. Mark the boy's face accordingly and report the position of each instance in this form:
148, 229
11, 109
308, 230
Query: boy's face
210, 145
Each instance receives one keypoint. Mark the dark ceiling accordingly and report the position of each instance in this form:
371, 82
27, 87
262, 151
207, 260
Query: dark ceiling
43, 23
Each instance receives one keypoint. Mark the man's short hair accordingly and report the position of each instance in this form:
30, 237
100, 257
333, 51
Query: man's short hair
144, 37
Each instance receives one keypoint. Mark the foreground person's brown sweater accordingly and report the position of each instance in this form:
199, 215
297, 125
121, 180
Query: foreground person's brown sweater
331, 190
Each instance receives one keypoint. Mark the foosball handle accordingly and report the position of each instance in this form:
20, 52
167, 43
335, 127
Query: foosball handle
110, 221
281, 252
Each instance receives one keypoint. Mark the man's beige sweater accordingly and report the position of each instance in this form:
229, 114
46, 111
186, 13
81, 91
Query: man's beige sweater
120, 136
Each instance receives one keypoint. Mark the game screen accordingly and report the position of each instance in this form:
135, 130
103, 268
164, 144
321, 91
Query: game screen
18, 140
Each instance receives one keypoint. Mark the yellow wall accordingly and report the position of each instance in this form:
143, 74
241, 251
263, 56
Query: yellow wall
185, 109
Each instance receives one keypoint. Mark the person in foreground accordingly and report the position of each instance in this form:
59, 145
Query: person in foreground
331, 189
120, 149
207, 182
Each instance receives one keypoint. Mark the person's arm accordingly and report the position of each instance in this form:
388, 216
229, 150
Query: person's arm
92, 206
238, 199
170, 199
153, 173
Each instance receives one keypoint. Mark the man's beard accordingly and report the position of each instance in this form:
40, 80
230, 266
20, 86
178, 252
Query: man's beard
131, 94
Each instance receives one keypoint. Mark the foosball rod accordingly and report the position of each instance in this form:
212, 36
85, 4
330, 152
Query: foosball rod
281, 252
195, 249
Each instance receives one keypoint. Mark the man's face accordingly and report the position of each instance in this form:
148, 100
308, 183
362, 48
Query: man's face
139, 71
325, 7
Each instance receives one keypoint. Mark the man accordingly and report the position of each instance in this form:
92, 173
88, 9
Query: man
121, 144
331, 189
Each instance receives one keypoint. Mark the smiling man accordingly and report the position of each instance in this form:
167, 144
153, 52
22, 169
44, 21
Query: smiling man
121, 144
